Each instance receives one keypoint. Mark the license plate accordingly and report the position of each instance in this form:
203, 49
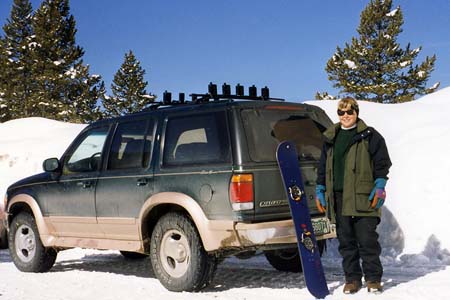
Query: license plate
321, 226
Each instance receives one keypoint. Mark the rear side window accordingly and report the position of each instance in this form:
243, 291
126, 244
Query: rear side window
130, 148
266, 128
196, 139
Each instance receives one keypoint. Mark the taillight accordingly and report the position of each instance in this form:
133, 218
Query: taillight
241, 192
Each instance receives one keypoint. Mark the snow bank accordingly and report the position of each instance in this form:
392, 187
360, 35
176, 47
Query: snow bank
25, 143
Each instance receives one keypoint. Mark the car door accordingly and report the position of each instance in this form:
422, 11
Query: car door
70, 201
196, 160
127, 180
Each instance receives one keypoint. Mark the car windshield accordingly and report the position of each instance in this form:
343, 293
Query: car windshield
266, 128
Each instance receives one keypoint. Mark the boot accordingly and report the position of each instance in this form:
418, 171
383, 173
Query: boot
374, 287
352, 287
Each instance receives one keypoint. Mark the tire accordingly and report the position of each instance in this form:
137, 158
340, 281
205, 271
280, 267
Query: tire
285, 260
288, 260
133, 255
3, 239
177, 255
25, 246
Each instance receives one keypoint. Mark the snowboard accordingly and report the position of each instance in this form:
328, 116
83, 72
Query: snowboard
307, 245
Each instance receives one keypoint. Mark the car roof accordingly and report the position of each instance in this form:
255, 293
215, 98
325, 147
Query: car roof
162, 109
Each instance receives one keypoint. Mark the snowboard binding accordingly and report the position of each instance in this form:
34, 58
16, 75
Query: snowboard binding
307, 241
295, 193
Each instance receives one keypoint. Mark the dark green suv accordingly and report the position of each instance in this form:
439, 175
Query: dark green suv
185, 183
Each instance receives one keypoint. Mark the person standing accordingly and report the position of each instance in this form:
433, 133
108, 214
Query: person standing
350, 187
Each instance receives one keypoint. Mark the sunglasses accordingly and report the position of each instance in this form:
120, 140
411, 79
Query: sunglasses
342, 112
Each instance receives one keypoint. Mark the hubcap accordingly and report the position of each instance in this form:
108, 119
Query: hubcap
25, 243
175, 253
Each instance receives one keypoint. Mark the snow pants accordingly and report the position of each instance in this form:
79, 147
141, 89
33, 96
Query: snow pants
358, 240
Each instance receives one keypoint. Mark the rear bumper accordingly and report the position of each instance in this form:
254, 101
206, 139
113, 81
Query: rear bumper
223, 235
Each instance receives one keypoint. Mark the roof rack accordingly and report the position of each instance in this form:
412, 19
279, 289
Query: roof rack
212, 95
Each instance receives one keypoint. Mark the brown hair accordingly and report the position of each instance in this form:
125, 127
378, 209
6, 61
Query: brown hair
348, 103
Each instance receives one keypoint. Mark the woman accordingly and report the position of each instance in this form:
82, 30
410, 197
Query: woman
351, 179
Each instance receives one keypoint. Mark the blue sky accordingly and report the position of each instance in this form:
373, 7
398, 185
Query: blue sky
183, 45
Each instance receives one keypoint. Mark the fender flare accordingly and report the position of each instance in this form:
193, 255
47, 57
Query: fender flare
44, 232
212, 232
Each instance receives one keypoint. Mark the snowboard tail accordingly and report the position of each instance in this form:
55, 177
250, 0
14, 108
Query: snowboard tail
307, 244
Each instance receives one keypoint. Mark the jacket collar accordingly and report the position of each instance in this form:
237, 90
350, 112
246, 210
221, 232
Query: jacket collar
330, 133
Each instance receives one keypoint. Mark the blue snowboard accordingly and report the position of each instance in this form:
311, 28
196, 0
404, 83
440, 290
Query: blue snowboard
306, 240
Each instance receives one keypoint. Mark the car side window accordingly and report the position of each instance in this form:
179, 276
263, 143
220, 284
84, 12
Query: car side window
88, 154
130, 148
198, 139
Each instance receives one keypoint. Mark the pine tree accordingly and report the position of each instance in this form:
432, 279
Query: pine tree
128, 88
4, 111
64, 89
15, 61
374, 67
324, 96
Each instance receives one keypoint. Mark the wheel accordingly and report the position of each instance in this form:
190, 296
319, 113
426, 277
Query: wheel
25, 246
288, 260
133, 255
177, 255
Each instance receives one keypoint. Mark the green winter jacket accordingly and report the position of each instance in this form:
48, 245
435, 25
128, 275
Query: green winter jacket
367, 158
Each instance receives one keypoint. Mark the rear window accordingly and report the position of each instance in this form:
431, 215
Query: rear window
266, 128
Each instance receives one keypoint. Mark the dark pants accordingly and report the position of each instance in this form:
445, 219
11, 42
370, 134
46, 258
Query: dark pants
358, 239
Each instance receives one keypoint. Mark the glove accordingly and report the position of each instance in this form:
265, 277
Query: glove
320, 198
378, 194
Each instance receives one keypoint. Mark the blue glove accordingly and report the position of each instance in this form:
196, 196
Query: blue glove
320, 198
378, 194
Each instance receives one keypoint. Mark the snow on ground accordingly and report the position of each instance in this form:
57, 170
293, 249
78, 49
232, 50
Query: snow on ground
413, 232
106, 275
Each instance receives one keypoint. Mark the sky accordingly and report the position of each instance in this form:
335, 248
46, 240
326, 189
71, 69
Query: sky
284, 44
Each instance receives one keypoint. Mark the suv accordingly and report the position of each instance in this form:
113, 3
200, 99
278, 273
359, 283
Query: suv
186, 183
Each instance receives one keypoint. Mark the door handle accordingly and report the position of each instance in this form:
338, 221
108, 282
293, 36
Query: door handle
142, 181
85, 184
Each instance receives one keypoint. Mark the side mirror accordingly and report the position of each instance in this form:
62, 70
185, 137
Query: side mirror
51, 165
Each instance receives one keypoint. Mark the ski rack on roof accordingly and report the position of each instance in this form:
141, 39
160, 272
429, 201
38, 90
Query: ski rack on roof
213, 96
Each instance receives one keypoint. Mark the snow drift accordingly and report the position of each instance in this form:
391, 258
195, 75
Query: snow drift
25, 143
